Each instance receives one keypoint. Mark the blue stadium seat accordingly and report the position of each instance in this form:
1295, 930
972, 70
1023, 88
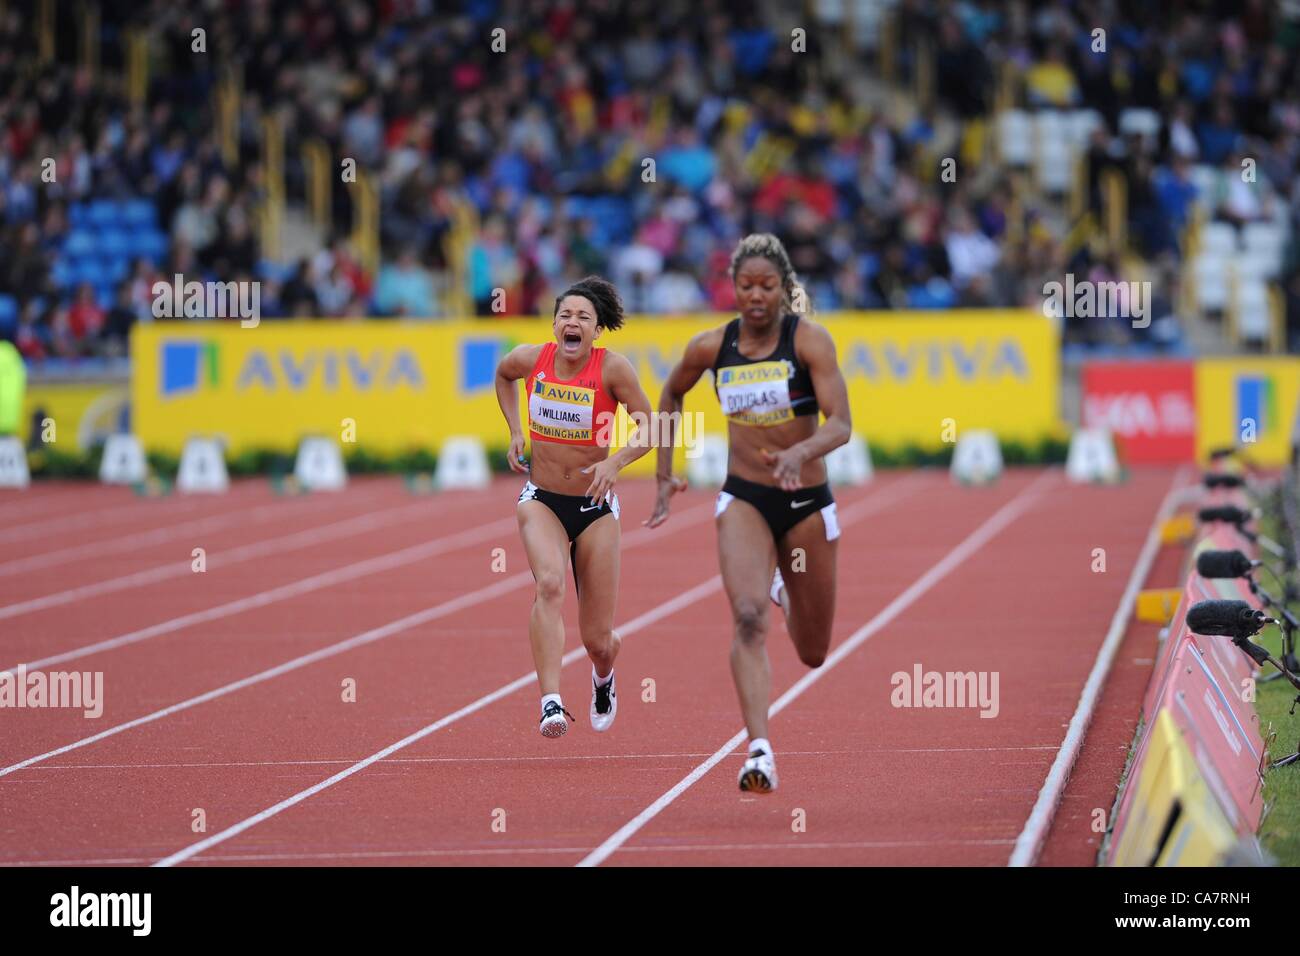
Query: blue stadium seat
91, 271
105, 296
62, 274
117, 267
80, 243
8, 314
114, 242
103, 212
139, 213
148, 244
273, 271
78, 214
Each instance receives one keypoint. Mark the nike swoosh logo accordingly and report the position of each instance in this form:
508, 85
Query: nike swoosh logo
592, 508
800, 504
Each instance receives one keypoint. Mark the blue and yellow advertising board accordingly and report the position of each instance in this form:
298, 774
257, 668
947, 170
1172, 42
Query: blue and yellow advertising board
407, 384
1249, 402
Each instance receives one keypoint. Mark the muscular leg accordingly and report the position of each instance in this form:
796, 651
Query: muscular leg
810, 593
747, 557
596, 564
547, 547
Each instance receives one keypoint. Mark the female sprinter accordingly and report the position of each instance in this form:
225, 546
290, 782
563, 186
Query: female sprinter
568, 511
773, 372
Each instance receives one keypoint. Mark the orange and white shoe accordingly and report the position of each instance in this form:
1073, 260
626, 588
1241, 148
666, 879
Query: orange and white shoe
758, 775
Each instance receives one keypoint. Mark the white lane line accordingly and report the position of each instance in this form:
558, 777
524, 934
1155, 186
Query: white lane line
143, 539
346, 572
872, 502
471, 599
111, 514
357, 524
212, 765
515, 851
1030, 841
949, 563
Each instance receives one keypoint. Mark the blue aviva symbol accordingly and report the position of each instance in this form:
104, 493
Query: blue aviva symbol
186, 365
1256, 403
479, 356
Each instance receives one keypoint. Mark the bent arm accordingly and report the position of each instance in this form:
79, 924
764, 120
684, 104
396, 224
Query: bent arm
623, 384
700, 354
516, 364
818, 353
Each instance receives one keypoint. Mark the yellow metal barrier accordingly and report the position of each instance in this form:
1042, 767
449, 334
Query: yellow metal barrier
365, 220
319, 185
137, 66
89, 38
1174, 819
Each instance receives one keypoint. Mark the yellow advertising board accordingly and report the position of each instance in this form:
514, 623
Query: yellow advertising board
74, 416
409, 384
1249, 402
1174, 818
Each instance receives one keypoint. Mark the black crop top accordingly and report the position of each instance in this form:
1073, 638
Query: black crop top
766, 391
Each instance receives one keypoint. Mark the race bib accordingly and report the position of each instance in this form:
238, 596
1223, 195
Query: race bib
757, 394
561, 412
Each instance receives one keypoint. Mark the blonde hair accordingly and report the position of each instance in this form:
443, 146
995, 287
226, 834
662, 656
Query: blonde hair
764, 245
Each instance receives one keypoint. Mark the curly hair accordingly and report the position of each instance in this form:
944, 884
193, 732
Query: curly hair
764, 245
603, 295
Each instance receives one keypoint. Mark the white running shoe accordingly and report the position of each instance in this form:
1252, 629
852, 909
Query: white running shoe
604, 704
553, 722
758, 775
778, 583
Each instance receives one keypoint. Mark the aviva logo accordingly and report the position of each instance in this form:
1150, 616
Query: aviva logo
1257, 404
188, 365
479, 356
574, 395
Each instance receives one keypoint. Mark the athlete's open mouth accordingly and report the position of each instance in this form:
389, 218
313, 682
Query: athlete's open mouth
572, 338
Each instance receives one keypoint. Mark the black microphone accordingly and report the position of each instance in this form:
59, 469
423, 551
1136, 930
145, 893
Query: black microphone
1227, 618
1223, 481
1224, 564
1228, 513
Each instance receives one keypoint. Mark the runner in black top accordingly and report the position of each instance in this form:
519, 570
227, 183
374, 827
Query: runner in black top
774, 371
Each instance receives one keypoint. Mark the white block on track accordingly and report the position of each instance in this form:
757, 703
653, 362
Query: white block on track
13, 464
1092, 457
850, 464
462, 463
123, 461
977, 459
319, 466
203, 467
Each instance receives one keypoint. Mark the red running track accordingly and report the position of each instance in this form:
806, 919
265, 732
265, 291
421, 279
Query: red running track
224, 690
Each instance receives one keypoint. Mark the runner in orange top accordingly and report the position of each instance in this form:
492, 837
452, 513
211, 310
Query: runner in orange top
568, 508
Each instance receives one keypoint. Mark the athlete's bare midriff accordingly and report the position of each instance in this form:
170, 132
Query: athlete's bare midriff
558, 468
747, 442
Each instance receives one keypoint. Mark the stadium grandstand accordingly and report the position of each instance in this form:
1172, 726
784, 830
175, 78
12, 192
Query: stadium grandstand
522, 170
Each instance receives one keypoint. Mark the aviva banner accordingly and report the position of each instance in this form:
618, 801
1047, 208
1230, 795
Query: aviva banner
414, 384
1249, 402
